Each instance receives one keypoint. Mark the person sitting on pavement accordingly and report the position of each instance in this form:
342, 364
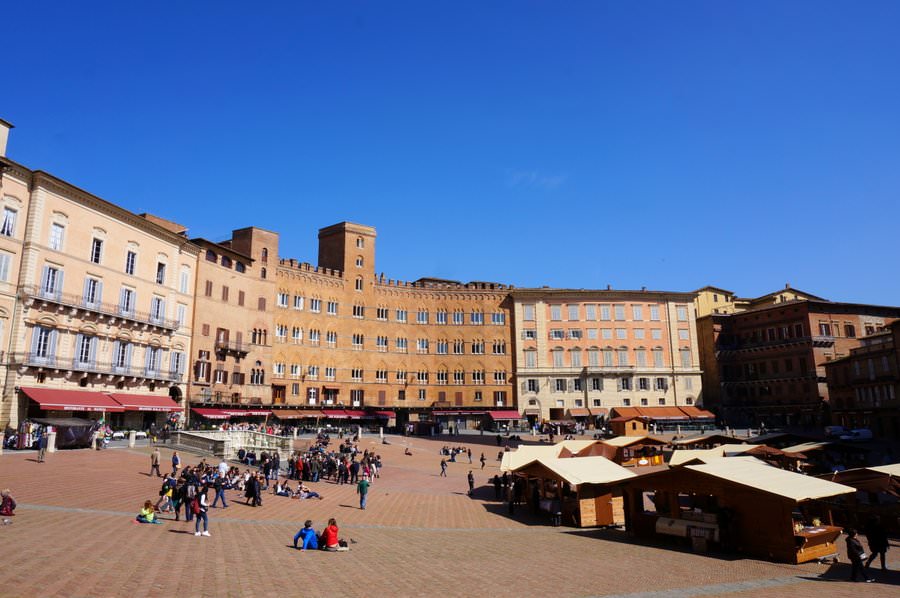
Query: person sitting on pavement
308, 534
283, 489
304, 491
330, 541
8, 504
148, 514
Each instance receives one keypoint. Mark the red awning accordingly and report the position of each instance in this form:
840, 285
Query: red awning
696, 413
458, 412
579, 412
355, 414
386, 414
210, 413
51, 399
296, 413
495, 415
336, 413
240, 412
145, 402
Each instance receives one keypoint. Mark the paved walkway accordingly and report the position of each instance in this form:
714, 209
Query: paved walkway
420, 536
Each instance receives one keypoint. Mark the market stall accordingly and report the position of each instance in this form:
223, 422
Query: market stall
637, 451
577, 488
877, 495
738, 504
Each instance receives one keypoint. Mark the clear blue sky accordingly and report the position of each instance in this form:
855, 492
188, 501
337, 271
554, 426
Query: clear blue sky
571, 144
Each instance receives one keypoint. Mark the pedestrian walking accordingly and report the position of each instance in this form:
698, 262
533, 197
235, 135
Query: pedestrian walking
219, 487
483, 460
443, 468
362, 488
154, 463
469, 451
176, 464
877, 538
200, 507
471, 478
856, 554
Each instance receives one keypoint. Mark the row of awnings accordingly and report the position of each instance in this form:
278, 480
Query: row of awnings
508, 414
212, 413
52, 399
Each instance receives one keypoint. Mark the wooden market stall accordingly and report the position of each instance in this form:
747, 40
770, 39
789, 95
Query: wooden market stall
579, 488
637, 451
877, 495
738, 504
527, 453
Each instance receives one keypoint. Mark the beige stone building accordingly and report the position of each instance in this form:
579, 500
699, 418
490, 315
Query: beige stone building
233, 324
580, 353
104, 309
348, 339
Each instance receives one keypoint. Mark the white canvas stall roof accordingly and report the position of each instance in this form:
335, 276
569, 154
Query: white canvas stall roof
772, 480
584, 470
806, 446
526, 454
892, 469
532, 452
620, 441
682, 456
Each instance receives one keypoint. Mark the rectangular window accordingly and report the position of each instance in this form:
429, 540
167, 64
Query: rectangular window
8, 227
130, 261
315, 305
638, 334
661, 384
184, 280
684, 334
443, 347
359, 311
637, 313
557, 334
224, 294
529, 334
93, 290
332, 308
160, 273
401, 315
572, 312
556, 313
531, 385
621, 333
126, 302
56, 236
596, 383
498, 318
421, 317
575, 334
656, 334
401, 344
623, 357
654, 313
625, 383
590, 312
604, 312
261, 304
619, 311
241, 297
557, 359
528, 313
459, 318
575, 358
658, 358
281, 300
381, 313
96, 250
298, 302
477, 318
681, 313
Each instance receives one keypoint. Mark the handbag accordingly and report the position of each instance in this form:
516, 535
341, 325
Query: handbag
863, 556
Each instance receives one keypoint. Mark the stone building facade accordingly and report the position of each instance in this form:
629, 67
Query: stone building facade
580, 353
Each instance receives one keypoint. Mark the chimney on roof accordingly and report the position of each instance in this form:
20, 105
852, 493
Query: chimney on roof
609, 287
4, 136
787, 285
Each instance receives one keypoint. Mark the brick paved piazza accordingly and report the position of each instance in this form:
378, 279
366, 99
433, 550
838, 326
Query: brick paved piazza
420, 536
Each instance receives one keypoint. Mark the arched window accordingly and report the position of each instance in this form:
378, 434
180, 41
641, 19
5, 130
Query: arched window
265, 256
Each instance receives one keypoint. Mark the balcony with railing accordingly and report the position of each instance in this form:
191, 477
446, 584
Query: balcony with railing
34, 295
235, 347
75, 364
225, 399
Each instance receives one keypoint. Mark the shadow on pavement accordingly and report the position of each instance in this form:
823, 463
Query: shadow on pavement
841, 572
663, 543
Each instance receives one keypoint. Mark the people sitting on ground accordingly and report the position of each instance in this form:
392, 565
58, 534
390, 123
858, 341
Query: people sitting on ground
304, 491
308, 535
7, 504
330, 540
283, 489
147, 514
407, 451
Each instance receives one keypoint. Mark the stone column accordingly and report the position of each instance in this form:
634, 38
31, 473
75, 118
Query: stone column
132, 437
51, 442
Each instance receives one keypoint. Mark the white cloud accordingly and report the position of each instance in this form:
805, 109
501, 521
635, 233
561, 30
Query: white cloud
534, 178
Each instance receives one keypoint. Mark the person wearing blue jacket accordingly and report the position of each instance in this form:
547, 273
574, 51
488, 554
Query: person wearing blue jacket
309, 536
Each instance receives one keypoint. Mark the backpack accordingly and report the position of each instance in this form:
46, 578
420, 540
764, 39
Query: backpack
195, 505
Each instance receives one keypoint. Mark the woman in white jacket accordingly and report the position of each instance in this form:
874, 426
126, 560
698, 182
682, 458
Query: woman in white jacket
200, 511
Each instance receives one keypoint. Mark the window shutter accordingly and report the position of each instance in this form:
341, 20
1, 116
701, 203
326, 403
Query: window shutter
77, 352
208, 371
84, 293
45, 275
129, 350
524, 385
162, 309
98, 298
115, 354
35, 334
59, 285
93, 351
173, 367
122, 301
54, 335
